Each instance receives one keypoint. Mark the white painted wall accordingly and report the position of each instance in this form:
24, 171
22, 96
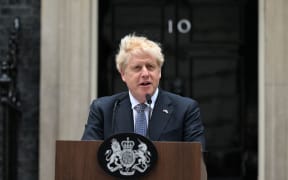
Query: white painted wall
68, 74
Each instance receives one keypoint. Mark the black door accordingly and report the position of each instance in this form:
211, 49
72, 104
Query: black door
210, 50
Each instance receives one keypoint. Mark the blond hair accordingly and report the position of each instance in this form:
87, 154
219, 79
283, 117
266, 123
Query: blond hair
137, 45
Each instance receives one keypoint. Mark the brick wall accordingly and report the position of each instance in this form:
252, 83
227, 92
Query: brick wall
28, 78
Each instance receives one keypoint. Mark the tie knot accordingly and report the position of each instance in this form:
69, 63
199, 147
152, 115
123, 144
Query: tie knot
140, 107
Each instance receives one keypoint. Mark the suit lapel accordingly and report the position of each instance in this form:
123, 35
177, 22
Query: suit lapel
160, 116
124, 117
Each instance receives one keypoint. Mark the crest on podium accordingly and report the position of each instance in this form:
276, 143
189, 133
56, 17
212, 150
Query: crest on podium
127, 155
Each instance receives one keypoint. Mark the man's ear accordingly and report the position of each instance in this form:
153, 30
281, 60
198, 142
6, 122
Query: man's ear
122, 73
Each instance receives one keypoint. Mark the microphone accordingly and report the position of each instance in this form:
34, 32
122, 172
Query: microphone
114, 115
149, 101
116, 103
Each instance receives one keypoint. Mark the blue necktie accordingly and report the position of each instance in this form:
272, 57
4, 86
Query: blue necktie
141, 123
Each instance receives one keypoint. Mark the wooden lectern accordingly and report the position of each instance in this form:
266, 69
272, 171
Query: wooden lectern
77, 160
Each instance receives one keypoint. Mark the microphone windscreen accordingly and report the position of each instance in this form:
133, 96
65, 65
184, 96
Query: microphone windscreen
148, 98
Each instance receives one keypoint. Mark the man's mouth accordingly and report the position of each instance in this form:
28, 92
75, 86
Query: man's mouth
145, 84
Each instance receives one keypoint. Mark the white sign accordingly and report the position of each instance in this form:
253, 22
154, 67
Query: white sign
183, 26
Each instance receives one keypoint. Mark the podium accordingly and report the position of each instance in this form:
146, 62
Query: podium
77, 160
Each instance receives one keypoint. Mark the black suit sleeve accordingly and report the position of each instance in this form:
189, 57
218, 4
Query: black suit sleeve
94, 126
193, 126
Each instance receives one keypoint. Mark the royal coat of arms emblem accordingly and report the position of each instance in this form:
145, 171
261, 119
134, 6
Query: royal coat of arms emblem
128, 156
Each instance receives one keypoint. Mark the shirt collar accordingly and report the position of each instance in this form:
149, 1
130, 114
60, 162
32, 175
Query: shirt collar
134, 102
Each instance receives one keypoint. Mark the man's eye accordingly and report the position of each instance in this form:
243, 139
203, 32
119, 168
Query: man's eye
137, 68
150, 67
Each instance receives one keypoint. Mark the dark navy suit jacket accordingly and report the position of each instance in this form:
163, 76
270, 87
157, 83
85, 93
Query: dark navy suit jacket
174, 118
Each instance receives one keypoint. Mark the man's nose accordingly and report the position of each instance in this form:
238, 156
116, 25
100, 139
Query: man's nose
145, 71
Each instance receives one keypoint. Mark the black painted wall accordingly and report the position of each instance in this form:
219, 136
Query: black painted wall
28, 80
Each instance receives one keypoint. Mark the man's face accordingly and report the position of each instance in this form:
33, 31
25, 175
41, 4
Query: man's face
141, 75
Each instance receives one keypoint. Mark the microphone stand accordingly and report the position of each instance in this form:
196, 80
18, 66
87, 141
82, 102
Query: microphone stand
149, 101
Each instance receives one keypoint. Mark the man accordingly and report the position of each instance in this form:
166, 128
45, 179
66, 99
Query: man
169, 117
